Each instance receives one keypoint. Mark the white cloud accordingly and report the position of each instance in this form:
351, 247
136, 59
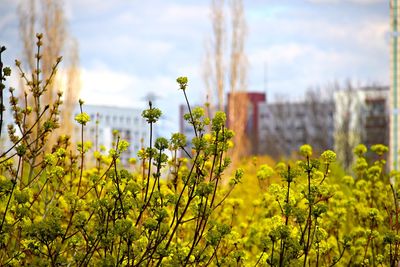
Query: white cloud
74, 7
374, 35
128, 46
306, 47
7, 19
279, 54
362, 2
103, 85
185, 13
293, 67
368, 1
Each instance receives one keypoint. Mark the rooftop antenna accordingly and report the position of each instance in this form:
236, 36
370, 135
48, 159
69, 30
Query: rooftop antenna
150, 97
265, 79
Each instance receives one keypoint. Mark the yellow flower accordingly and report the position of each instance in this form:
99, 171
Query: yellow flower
82, 118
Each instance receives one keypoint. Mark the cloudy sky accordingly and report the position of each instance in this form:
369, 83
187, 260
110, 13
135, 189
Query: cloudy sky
129, 48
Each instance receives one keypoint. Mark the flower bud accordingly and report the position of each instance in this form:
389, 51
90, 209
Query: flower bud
39, 35
182, 82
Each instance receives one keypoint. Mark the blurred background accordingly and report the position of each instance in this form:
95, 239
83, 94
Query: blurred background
275, 66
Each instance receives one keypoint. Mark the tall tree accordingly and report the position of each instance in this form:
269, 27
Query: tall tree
214, 69
349, 125
319, 107
48, 17
238, 102
216, 73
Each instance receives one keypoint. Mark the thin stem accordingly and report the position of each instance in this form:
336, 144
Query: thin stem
309, 222
259, 258
283, 242
118, 188
272, 253
82, 155
340, 257
23, 136
190, 112
183, 190
150, 158
36, 94
11, 193
143, 208
325, 174
2, 49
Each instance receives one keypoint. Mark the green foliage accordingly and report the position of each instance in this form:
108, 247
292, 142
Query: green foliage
315, 218
62, 211
166, 210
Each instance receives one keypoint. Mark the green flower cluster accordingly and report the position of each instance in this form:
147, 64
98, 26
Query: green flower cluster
82, 118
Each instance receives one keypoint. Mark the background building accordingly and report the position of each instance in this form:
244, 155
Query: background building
361, 116
251, 131
252, 100
338, 122
285, 126
127, 121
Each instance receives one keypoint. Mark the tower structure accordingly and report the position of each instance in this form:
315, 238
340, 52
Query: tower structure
394, 87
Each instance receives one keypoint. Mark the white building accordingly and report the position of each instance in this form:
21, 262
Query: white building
361, 116
127, 121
